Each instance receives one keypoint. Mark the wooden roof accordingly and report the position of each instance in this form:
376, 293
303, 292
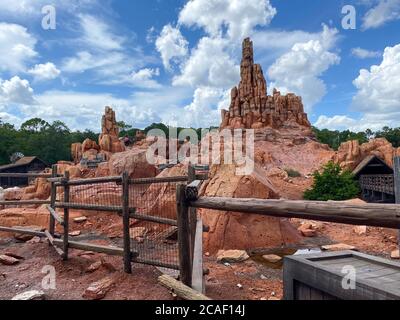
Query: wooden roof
21, 162
367, 160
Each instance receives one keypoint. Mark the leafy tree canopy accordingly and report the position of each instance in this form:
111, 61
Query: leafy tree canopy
333, 184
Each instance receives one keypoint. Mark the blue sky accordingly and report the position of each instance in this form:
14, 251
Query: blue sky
175, 61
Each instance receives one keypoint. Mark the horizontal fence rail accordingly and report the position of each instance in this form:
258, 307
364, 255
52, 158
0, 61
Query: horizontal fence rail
377, 215
25, 175
23, 202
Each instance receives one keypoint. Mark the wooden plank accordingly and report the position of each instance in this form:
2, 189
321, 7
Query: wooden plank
183, 236
115, 251
82, 182
51, 241
180, 289
53, 198
126, 223
396, 176
55, 215
23, 231
25, 175
155, 263
379, 215
198, 283
161, 220
66, 217
158, 180
24, 202
89, 207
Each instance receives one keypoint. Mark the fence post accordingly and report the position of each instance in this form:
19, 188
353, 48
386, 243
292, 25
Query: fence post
184, 241
126, 223
192, 213
396, 171
53, 197
66, 216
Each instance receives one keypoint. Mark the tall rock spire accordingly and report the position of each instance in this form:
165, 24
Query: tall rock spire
252, 108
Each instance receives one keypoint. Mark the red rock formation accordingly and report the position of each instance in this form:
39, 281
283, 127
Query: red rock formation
351, 153
109, 138
232, 230
109, 142
252, 108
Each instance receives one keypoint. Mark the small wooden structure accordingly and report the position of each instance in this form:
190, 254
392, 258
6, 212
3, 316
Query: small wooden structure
23, 165
376, 180
346, 275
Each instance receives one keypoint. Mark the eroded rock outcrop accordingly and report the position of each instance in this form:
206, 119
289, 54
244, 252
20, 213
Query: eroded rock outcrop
107, 145
351, 153
251, 107
231, 230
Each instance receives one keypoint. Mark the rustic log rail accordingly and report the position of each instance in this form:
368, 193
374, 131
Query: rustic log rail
376, 215
186, 218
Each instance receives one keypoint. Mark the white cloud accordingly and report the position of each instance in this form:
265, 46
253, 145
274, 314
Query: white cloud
97, 34
107, 55
239, 17
17, 47
383, 12
204, 111
16, 91
209, 65
47, 71
144, 78
299, 70
377, 97
171, 45
335, 123
364, 54
378, 88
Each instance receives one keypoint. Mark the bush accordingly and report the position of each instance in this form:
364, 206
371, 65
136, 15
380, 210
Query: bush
293, 173
333, 184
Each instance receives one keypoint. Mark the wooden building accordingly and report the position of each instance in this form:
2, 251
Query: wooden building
23, 165
376, 180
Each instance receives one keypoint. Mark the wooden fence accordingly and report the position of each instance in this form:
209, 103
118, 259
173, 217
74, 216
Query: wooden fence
186, 224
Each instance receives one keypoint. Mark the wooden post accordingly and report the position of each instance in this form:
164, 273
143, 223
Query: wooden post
66, 216
396, 172
126, 222
53, 198
184, 241
192, 213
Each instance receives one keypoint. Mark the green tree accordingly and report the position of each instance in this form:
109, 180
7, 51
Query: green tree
332, 184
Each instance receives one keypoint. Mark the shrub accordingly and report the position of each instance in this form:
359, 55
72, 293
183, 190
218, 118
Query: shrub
293, 173
333, 184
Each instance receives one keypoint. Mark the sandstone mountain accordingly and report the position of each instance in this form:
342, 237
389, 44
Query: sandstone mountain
251, 107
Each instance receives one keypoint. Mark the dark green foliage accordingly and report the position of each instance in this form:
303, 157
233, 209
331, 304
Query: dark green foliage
333, 184
52, 142
335, 138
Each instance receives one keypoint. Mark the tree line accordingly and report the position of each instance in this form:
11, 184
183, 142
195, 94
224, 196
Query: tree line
335, 138
51, 142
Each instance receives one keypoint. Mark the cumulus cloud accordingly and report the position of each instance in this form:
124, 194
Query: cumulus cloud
204, 111
378, 88
16, 91
171, 45
47, 71
101, 51
338, 122
383, 12
144, 78
377, 97
17, 47
299, 70
209, 65
238, 17
364, 54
